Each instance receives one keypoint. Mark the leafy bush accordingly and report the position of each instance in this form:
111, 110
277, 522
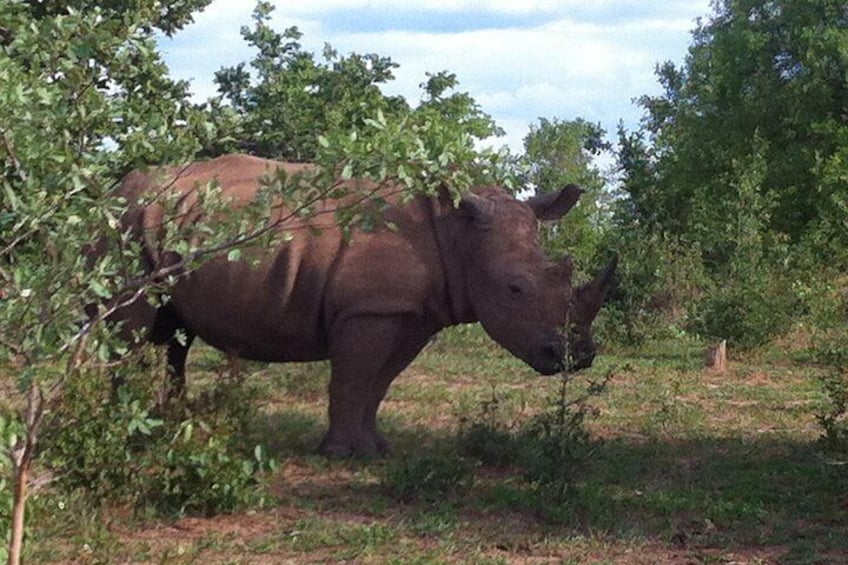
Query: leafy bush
486, 438
492, 446
201, 472
826, 296
748, 311
658, 278
115, 450
833, 417
552, 448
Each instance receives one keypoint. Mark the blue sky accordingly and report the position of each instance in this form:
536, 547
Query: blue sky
520, 59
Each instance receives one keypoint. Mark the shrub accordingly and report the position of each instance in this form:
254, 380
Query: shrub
658, 277
556, 444
748, 311
551, 449
830, 348
200, 472
115, 450
833, 417
492, 446
487, 438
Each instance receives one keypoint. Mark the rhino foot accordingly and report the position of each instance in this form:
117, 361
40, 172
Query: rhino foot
383, 445
364, 448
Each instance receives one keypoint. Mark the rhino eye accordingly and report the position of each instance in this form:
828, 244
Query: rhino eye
516, 289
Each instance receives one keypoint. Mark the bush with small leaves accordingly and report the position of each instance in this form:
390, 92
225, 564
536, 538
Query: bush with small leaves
556, 444
833, 415
486, 438
492, 446
748, 312
114, 450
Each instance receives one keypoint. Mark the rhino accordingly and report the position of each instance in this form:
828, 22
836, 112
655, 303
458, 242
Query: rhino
369, 301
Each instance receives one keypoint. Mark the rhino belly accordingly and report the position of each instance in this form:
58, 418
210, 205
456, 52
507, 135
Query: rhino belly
238, 310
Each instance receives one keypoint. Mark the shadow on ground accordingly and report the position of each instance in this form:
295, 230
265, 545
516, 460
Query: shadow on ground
706, 495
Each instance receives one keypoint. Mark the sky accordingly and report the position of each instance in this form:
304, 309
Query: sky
521, 60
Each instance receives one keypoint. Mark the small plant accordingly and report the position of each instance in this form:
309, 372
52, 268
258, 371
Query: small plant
199, 472
829, 348
551, 449
556, 444
833, 418
487, 438
429, 478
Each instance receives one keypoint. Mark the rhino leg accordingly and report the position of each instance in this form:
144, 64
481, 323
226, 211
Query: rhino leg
133, 321
360, 348
170, 330
178, 348
414, 338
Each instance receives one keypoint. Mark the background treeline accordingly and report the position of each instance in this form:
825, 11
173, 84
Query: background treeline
734, 189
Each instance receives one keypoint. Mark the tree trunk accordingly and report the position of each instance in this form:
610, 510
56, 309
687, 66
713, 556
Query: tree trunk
22, 455
16, 543
716, 357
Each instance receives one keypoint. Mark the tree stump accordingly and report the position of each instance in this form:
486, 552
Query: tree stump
716, 357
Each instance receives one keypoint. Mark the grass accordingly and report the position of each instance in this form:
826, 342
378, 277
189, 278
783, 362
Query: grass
690, 467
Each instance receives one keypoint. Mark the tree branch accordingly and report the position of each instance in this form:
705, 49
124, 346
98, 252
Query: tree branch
10, 148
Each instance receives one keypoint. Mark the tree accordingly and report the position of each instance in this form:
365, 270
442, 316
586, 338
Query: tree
741, 160
753, 128
558, 153
294, 98
84, 97
291, 99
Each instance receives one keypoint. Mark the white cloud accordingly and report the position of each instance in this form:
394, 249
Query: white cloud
318, 8
571, 59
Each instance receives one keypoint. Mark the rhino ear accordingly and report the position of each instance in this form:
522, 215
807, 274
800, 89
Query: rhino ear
554, 205
481, 209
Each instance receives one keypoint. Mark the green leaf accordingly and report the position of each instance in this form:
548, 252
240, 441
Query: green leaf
100, 290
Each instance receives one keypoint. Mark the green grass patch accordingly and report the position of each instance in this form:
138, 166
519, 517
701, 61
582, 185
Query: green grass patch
684, 464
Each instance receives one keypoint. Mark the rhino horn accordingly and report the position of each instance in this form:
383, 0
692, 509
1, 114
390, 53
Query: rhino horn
593, 293
477, 207
554, 205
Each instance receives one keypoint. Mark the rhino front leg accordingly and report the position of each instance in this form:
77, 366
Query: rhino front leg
414, 336
359, 348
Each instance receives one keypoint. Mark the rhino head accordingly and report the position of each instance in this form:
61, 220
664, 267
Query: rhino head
519, 296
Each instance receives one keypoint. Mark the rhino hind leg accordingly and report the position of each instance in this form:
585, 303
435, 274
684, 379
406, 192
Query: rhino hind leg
170, 330
132, 323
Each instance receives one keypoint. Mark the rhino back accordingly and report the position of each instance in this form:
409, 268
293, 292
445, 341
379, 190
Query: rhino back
283, 307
